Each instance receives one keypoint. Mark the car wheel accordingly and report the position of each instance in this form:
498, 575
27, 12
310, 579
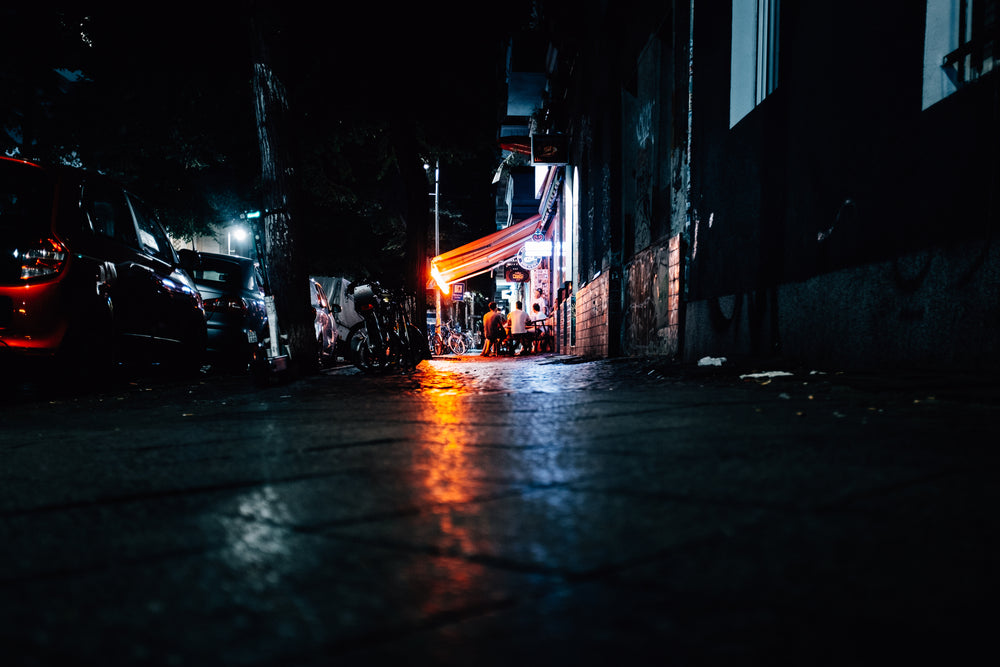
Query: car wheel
327, 357
88, 353
192, 350
260, 367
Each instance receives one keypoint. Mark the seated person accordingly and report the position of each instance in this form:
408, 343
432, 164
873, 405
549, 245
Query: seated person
541, 329
493, 325
517, 328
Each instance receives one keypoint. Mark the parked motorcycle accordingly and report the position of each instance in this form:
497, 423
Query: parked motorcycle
385, 339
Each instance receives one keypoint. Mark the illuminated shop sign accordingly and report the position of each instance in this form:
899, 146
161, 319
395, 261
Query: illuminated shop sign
515, 274
538, 248
549, 148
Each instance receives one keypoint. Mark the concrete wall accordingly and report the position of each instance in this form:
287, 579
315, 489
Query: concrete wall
654, 196
932, 309
840, 222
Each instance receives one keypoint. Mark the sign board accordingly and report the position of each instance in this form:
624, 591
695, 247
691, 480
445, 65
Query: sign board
527, 262
537, 248
457, 291
515, 274
549, 148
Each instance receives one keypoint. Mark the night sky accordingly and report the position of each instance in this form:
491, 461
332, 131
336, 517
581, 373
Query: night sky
170, 85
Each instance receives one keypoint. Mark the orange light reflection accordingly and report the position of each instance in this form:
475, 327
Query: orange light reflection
447, 424
444, 472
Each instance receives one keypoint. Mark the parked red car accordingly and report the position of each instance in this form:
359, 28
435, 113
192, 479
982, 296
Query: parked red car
88, 275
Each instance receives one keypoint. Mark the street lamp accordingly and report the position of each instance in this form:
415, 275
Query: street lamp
437, 233
239, 233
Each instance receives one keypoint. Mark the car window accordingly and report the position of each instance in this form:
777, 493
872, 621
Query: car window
152, 239
222, 273
108, 212
215, 276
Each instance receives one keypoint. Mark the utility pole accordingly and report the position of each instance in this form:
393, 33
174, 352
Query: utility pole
437, 236
286, 277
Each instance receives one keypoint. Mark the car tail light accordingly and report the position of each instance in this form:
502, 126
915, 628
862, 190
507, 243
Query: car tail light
227, 304
46, 258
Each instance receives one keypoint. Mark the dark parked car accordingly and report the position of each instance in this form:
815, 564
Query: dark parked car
88, 274
232, 289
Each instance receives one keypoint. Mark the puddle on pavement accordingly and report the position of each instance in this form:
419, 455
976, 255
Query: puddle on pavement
473, 375
451, 376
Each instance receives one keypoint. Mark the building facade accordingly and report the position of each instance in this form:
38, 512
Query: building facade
768, 179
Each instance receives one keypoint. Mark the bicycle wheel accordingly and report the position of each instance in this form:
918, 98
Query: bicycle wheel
357, 346
457, 345
419, 350
362, 354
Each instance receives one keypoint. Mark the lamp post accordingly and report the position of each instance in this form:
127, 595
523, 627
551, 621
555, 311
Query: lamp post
437, 234
239, 233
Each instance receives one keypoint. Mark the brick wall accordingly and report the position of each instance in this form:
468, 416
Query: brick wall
592, 318
651, 324
674, 296
652, 321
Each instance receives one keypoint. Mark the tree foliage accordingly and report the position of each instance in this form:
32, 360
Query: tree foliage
143, 94
160, 96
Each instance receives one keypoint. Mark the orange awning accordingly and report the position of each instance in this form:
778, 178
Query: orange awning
483, 254
516, 144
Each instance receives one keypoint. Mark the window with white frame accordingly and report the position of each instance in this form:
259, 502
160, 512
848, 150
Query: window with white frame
754, 55
960, 45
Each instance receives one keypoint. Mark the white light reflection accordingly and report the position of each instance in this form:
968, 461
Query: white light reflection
256, 537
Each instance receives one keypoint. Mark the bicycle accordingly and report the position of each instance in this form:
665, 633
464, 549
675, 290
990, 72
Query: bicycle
435, 343
385, 338
470, 342
454, 341
477, 337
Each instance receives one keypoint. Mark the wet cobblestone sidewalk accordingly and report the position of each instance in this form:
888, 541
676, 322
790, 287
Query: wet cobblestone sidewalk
533, 510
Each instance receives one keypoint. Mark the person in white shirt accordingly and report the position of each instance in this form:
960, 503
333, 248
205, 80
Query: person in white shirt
541, 327
540, 301
518, 320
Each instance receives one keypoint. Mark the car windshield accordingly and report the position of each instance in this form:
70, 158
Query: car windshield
25, 200
220, 273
